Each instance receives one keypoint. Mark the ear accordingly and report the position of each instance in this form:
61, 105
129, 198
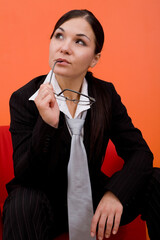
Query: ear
95, 60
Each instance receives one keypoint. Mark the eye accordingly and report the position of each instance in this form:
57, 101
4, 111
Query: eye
59, 36
80, 42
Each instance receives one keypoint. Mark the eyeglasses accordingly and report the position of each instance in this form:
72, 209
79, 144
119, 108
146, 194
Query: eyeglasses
84, 100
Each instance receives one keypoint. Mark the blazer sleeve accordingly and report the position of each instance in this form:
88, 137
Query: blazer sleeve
30, 138
135, 152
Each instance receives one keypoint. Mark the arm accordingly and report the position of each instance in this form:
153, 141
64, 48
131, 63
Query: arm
124, 184
30, 136
132, 148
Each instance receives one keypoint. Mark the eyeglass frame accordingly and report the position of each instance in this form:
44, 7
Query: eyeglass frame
91, 99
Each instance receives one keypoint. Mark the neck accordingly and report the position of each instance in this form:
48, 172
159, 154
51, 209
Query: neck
73, 84
68, 83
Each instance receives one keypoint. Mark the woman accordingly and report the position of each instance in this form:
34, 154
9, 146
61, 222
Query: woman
37, 205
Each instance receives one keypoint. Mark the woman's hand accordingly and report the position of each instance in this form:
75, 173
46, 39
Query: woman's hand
107, 216
47, 105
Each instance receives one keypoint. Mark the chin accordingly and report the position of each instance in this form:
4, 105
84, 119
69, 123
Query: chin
62, 74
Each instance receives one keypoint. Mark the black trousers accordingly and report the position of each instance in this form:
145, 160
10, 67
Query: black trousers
28, 214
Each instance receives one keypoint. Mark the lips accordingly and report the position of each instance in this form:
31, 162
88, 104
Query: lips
62, 60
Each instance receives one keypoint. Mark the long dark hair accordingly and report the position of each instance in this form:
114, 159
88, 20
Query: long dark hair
100, 117
91, 19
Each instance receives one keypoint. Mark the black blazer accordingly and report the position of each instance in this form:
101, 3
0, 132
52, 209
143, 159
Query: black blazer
41, 152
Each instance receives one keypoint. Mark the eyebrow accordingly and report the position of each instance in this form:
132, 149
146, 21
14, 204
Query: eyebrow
78, 34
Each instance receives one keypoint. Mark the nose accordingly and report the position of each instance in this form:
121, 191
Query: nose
66, 47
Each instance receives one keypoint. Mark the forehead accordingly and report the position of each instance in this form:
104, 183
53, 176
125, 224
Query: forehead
78, 26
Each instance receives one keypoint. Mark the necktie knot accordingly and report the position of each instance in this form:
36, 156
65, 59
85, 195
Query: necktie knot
75, 125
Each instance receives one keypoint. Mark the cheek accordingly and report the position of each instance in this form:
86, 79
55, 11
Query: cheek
52, 47
51, 57
86, 58
51, 50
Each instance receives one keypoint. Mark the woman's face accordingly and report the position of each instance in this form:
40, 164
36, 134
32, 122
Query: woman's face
74, 44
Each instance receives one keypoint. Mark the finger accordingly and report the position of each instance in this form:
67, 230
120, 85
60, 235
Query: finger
109, 225
101, 226
45, 92
44, 103
46, 86
117, 222
94, 223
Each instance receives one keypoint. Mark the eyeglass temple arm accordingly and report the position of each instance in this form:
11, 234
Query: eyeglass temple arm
53, 70
67, 89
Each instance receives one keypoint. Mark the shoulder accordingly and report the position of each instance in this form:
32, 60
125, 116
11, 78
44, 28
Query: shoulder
100, 86
106, 96
21, 109
26, 91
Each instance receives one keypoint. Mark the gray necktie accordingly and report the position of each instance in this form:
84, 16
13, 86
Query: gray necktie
80, 206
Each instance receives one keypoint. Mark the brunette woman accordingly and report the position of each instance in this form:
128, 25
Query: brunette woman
37, 204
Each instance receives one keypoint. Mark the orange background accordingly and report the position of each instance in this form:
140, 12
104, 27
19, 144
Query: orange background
130, 58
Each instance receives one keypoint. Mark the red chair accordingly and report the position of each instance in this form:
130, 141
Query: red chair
135, 230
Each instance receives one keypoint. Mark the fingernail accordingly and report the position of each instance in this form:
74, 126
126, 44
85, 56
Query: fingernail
107, 236
114, 232
92, 234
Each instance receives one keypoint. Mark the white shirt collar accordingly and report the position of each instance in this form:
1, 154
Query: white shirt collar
62, 104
